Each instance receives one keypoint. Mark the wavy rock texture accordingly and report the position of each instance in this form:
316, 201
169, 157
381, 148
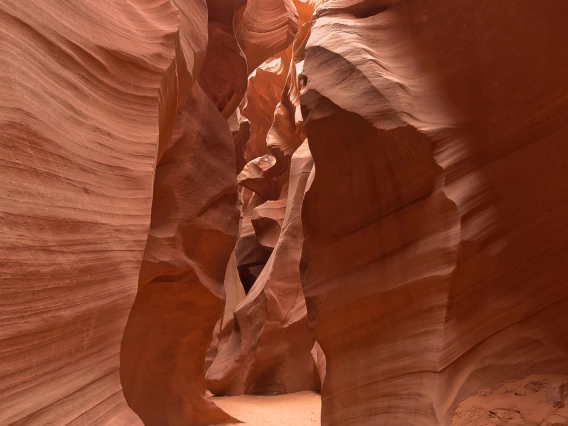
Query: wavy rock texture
264, 91
269, 348
267, 222
319, 360
225, 79
435, 228
86, 94
180, 296
261, 175
234, 293
92, 98
250, 254
264, 28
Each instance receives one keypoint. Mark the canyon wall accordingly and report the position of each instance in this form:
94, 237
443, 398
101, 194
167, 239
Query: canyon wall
400, 163
92, 98
181, 295
436, 228
85, 100
269, 349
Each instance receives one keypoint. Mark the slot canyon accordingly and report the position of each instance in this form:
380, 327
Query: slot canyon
283, 212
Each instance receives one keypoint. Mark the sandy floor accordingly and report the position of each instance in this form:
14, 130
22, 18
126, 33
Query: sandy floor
296, 409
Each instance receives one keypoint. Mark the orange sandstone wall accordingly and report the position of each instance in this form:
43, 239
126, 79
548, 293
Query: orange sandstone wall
436, 229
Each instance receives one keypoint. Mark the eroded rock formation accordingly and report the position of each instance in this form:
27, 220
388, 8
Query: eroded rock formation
429, 245
269, 348
86, 98
92, 98
436, 224
180, 295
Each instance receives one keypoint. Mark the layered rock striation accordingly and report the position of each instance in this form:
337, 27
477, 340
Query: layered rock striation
400, 171
434, 229
86, 101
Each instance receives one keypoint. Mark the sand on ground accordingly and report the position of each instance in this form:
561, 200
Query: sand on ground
295, 409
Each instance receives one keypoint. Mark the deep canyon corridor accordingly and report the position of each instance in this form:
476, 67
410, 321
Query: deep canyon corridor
283, 212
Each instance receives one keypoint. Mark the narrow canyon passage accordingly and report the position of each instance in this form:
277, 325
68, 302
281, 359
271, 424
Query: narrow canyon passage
283, 212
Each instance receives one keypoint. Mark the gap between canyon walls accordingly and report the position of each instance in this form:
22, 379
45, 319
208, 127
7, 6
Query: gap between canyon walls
264, 346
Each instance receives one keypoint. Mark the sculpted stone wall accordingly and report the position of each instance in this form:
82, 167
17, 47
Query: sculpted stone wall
92, 98
436, 226
268, 350
181, 295
86, 94
401, 164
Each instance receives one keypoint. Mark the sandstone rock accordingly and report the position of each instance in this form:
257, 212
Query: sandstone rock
251, 256
225, 76
269, 348
259, 175
319, 360
267, 221
234, 294
85, 99
240, 128
264, 91
226, 84
248, 357
264, 28
540, 406
180, 295
436, 224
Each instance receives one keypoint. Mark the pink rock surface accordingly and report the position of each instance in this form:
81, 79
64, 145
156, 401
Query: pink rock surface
267, 222
181, 296
225, 76
90, 97
436, 227
251, 256
435, 222
264, 91
234, 294
264, 28
85, 96
269, 348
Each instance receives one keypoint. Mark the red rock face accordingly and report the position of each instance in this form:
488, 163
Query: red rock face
400, 163
180, 295
269, 348
264, 28
435, 229
85, 99
90, 99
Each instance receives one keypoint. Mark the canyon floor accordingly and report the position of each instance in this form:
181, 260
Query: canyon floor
298, 409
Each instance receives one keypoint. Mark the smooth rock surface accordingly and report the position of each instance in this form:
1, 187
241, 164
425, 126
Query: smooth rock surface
264, 28
181, 295
437, 224
297, 409
86, 100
